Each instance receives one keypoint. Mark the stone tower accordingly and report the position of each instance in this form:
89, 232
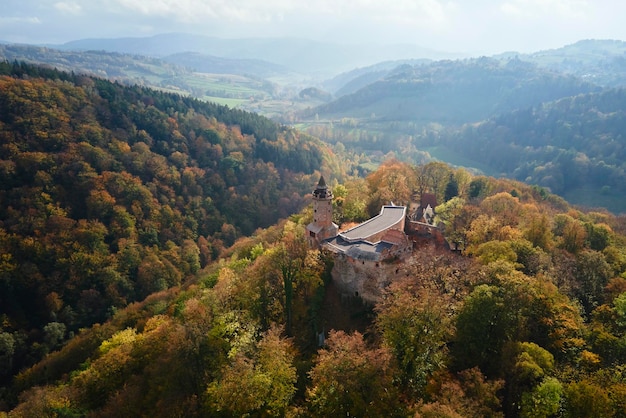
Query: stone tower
322, 226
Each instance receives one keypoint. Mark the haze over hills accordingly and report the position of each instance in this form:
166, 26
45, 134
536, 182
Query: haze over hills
390, 106
217, 65
454, 92
301, 55
602, 62
350, 81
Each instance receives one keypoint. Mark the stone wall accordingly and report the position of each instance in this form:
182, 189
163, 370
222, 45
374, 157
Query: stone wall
365, 279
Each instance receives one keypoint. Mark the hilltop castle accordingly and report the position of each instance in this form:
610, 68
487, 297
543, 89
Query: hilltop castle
377, 239
361, 250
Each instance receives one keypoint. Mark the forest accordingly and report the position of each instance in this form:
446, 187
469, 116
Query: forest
110, 193
154, 262
567, 145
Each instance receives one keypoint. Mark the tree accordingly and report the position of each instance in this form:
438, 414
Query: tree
350, 379
525, 365
392, 182
512, 307
465, 394
590, 277
502, 206
483, 325
452, 189
260, 385
543, 401
433, 177
299, 268
586, 399
619, 305
539, 232
416, 328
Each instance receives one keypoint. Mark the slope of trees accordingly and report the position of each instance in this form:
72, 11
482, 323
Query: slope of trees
111, 193
528, 321
454, 92
564, 145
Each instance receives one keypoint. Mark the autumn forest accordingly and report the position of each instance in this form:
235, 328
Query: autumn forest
153, 262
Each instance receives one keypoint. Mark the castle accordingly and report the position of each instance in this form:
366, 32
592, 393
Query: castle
361, 250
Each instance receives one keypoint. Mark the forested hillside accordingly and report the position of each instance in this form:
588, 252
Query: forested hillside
528, 321
110, 193
574, 145
227, 81
454, 92
600, 61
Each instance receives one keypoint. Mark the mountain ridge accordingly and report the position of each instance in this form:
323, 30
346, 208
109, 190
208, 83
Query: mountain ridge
299, 54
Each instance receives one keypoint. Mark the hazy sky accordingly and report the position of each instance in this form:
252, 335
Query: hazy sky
470, 26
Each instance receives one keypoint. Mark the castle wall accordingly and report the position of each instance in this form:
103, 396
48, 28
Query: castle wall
365, 279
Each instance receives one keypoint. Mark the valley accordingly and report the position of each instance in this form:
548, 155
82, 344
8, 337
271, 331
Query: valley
160, 209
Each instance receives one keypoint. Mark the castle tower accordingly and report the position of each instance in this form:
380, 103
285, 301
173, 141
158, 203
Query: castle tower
322, 226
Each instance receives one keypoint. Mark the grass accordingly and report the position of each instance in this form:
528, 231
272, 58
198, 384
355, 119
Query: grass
227, 85
230, 102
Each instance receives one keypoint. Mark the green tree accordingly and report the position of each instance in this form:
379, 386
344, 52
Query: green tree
543, 401
259, 385
416, 328
483, 325
299, 269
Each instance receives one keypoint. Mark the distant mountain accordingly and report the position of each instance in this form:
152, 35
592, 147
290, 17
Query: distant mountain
602, 62
454, 92
302, 55
216, 65
132, 68
350, 81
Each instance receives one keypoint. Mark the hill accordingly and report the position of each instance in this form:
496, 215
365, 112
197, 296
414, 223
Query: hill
601, 62
110, 193
226, 81
301, 55
350, 81
215, 65
574, 146
531, 324
453, 92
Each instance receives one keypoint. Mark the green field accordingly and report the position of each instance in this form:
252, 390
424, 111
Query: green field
222, 85
224, 101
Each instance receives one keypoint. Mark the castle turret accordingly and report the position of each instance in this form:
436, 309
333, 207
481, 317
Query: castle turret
322, 226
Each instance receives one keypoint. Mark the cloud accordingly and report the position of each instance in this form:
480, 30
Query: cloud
12, 20
561, 9
399, 11
70, 8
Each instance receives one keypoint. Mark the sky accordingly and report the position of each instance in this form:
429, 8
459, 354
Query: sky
460, 26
